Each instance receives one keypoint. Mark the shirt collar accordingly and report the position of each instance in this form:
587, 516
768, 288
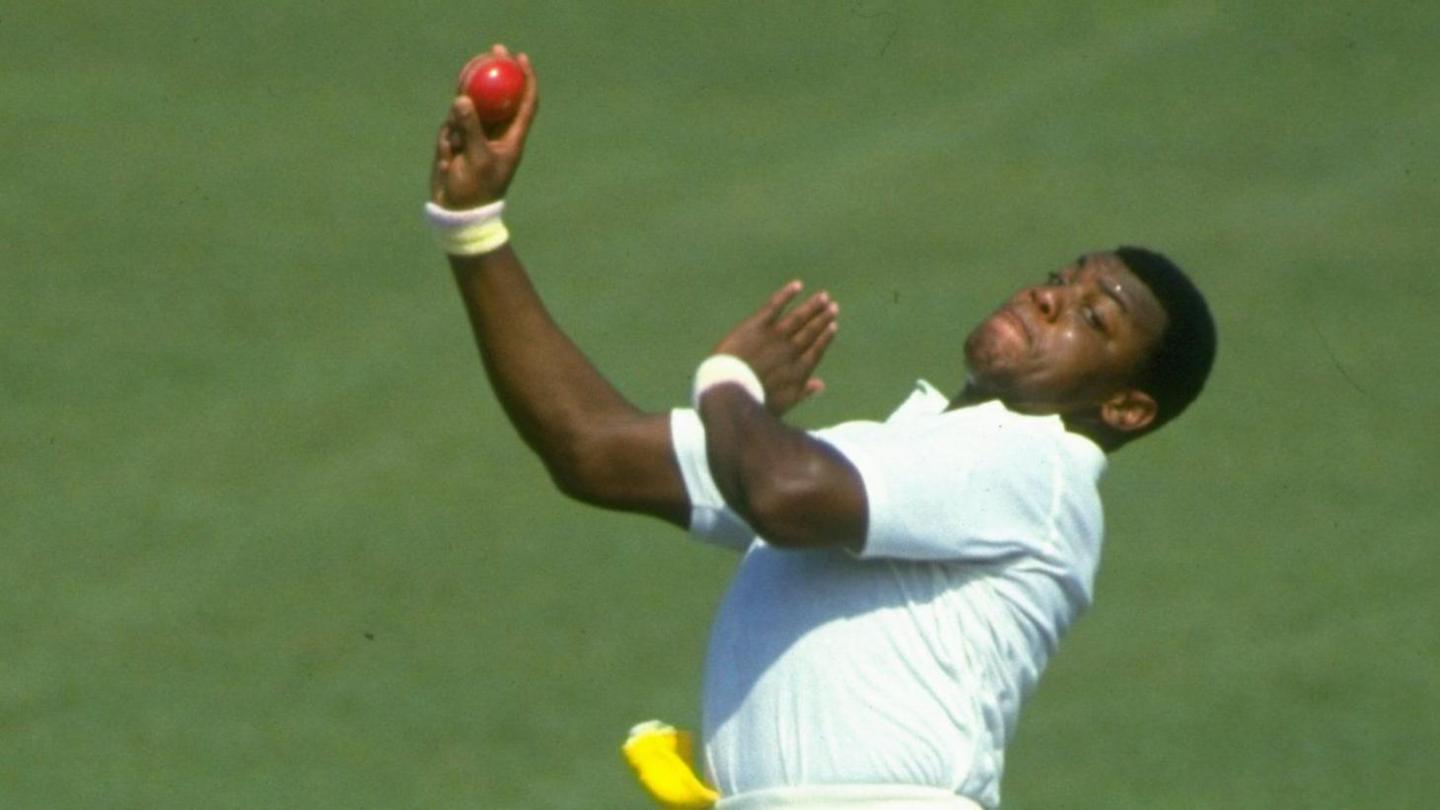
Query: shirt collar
926, 400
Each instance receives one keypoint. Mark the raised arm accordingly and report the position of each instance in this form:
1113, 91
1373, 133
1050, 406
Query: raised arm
597, 447
793, 489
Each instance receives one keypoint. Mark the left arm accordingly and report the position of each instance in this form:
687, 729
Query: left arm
794, 490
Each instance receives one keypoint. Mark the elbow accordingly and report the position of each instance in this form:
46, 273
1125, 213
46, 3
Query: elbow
785, 507
574, 469
571, 484
803, 501
590, 465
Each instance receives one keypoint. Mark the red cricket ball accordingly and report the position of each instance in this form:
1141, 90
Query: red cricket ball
496, 85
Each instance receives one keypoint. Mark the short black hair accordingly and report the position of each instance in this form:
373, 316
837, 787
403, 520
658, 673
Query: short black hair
1179, 365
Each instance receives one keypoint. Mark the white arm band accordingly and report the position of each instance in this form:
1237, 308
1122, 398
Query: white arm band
470, 232
719, 369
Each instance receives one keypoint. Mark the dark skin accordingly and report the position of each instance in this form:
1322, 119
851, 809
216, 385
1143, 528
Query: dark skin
1071, 346
1068, 347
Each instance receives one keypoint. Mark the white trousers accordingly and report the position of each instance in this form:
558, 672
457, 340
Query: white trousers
851, 797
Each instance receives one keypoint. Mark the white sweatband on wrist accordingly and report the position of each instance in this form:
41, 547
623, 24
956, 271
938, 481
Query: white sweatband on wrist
470, 232
719, 369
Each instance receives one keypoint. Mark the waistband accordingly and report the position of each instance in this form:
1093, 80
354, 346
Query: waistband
818, 797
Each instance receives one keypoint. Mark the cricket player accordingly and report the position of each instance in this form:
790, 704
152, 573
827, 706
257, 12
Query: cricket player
902, 583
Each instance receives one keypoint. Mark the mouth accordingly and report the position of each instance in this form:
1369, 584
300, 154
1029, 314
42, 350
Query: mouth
1017, 323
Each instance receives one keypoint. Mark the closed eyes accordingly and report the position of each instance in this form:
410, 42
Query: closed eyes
1091, 315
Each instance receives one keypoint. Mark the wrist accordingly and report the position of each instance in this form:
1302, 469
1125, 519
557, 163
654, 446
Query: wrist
470, 232
726, 369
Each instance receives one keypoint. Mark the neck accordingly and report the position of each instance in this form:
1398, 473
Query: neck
1092, 427
970, 394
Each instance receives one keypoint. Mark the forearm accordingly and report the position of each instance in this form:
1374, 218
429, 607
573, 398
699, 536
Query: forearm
793, 489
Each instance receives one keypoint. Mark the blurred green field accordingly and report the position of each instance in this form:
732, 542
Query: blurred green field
269, 542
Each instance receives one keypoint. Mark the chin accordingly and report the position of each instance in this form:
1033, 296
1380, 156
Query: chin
985, 364
993, 346
978, 355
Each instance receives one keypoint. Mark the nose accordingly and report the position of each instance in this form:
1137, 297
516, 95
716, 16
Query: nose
1047, 301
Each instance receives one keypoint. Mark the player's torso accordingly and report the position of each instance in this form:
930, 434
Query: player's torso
823, 668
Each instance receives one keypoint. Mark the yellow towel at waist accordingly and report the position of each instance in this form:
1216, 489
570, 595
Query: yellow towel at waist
660, 755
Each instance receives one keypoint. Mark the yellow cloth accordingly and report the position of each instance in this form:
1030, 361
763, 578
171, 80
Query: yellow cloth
660, 755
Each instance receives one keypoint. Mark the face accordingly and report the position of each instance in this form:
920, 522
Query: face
1070, 344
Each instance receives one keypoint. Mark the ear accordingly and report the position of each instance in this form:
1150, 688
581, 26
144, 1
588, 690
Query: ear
1128, 411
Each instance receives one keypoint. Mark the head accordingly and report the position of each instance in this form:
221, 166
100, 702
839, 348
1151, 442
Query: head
1118, 343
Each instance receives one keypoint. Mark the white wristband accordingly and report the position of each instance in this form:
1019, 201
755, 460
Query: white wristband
470, 232
719, 369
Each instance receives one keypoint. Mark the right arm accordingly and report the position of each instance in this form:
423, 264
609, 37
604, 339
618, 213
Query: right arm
795, 490
597, 447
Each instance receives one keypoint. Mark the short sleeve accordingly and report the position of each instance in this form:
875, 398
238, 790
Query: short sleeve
959, 489
711, 519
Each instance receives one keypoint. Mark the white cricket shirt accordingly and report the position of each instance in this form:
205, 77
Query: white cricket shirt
907, 662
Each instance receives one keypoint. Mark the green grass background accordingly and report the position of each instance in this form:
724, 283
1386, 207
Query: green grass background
266, 539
